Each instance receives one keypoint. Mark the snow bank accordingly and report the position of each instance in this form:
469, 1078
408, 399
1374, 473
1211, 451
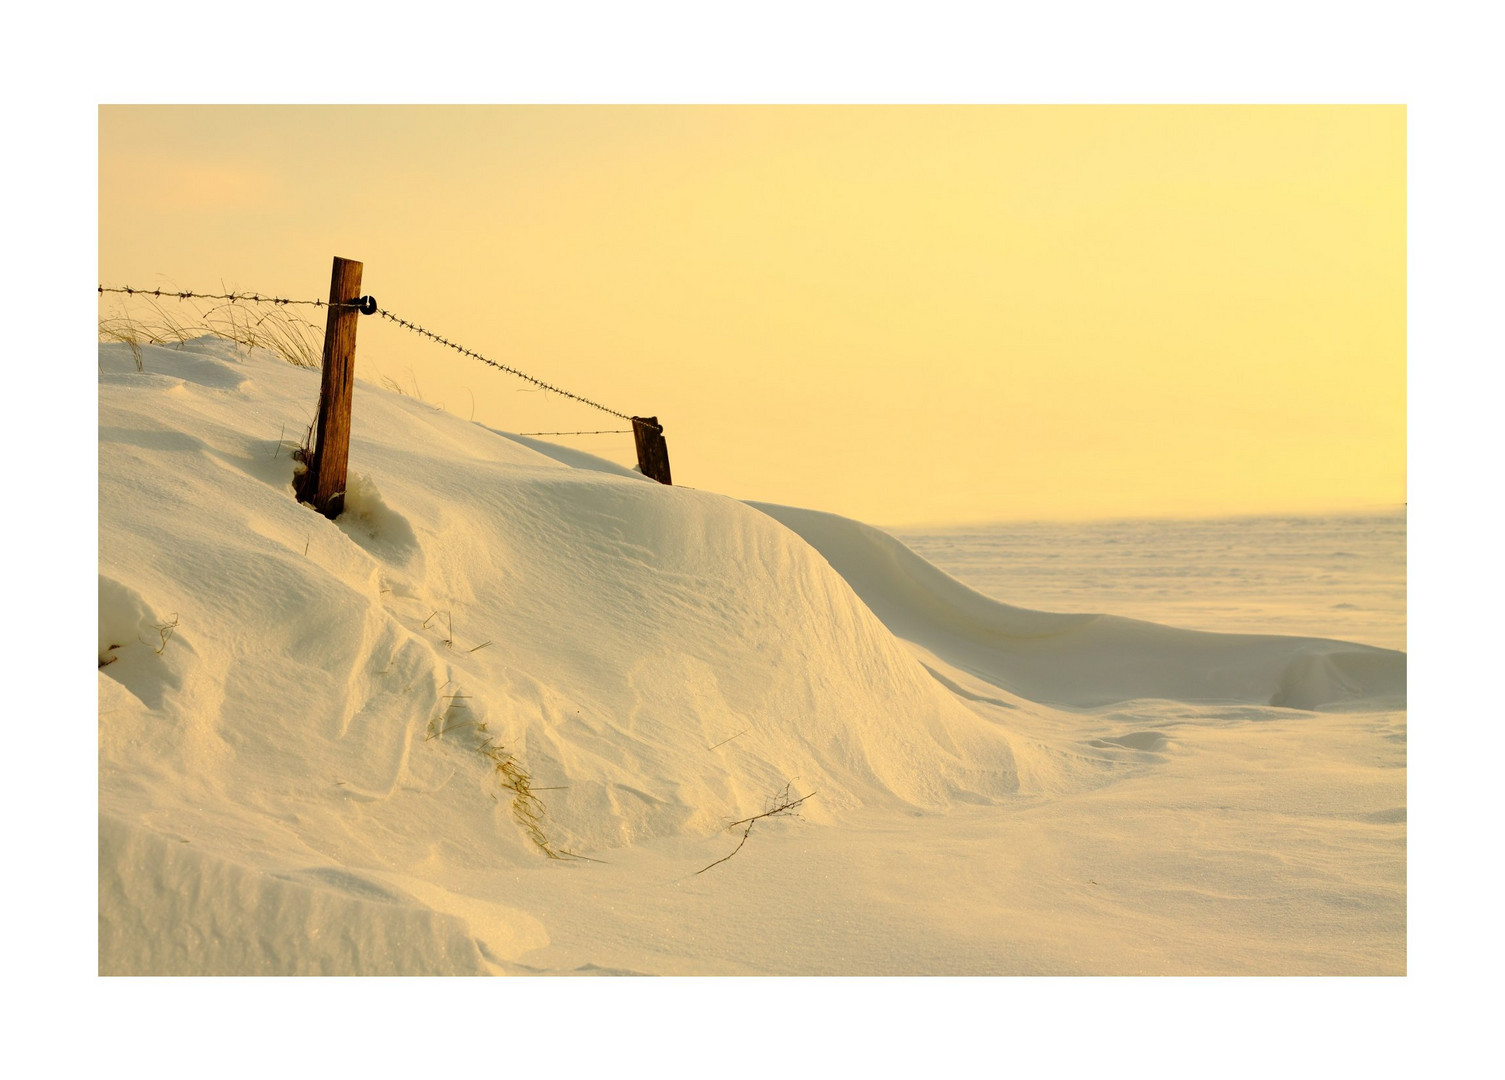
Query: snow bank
338, 747
489, 650
1086, 661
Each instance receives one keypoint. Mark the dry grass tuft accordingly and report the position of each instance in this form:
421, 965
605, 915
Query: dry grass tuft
137, 320
527, 811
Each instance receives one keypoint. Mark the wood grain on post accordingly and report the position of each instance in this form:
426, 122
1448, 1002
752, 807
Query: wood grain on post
653, 450
324, 483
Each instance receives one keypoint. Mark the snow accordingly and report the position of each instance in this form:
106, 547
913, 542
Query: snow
1341, 576
498, 717
1083, 660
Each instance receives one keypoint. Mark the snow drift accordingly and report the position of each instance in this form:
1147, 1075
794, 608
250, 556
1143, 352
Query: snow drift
319, 740
1091, 660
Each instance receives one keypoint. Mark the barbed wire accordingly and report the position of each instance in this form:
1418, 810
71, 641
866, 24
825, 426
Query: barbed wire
367, 306
463, 351
610, 431
234, 298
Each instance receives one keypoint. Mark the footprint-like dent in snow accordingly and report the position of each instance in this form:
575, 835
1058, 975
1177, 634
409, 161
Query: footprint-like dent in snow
208, 361
132, 640
122, 615
374, 525
167, 442
1151, 741
341, 880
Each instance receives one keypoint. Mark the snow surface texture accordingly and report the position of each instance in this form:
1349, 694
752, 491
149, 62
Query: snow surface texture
498, 717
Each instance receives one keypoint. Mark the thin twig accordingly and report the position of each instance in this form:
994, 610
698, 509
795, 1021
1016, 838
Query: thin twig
745, 833
783, 808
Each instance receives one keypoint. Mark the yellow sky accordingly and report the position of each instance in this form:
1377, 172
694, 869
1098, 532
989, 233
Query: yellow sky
902, 314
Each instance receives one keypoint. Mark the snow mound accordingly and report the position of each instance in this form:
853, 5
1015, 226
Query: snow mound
1089, 660
325, 746
491, 651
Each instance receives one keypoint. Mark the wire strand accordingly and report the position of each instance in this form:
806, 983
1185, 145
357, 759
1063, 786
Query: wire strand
368, 306
234, 298
609, 431
463, 351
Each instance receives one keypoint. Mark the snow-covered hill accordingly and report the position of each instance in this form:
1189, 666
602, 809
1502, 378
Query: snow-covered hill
499, 715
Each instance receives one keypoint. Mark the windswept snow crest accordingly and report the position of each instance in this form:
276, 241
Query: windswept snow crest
1089, 660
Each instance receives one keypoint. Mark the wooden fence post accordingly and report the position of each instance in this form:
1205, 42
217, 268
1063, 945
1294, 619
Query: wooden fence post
653, 451
323, 484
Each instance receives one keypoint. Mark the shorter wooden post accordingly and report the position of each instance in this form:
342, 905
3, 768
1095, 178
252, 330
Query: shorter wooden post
323, 484
653, 451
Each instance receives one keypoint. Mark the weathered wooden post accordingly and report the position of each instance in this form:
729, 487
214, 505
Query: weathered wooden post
323, 484
653, 451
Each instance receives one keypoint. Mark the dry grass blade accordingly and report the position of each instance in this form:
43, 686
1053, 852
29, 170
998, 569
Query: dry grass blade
164, 631
448, 622
729, 738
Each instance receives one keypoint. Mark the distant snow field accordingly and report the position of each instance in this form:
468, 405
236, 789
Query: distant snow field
1340, 576
520, 711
